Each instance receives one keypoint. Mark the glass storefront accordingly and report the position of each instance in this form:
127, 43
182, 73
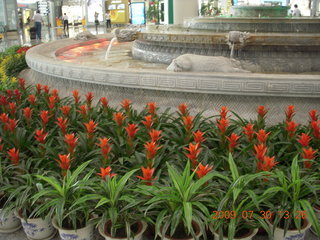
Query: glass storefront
8, 14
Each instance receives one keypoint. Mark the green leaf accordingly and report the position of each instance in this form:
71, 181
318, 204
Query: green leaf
233, 168
187, 210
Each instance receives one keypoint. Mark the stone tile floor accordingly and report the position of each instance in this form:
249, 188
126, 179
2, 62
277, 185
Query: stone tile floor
20, 235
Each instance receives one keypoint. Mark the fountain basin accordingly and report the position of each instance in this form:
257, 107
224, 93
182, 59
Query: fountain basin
259, 11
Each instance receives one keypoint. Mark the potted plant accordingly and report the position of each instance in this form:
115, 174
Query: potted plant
237, 213
180, 206
293, 213
154, 12
71, 216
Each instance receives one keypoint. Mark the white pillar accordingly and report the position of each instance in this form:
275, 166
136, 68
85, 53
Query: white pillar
314, 8
166, 11
52, 13
184, 9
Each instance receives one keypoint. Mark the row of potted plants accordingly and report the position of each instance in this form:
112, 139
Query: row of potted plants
122, 170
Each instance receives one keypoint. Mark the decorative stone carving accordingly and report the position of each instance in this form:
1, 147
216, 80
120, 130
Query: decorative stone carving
85, 36
126, 34
199, 63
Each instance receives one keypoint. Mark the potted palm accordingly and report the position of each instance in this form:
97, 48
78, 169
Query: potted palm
70, 216
179, 208
237, 213
293, 213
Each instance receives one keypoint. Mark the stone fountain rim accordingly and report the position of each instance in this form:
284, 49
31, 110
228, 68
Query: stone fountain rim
42, 59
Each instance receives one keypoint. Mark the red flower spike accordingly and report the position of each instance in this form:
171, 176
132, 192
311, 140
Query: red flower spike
249, 132
147, 175
63, 124
260, 151
313, 114
203, 170
290, 112
38, 87
304, 140
105, 147
152, 149
262, 136
155, 135
148, 122
32, 99
46, 89
11, 125
27, 112
9, 93
90, 127
223, 112
64, 161
262, 111
104, 102
194, 151
52, 101
187, 122
104, 172
131, 129
119, 118
44, 117
183, 108
89, 98
3, 100
152, 107
40, 136
125, 104
65, 110
14, 156
267, 164
83, 110
198, 137
222, 125
72, 142
316, 129
233, 141
22, 83
4, 118
55, 93
12, 108
309, 153
291, 128
76, 96
17, 94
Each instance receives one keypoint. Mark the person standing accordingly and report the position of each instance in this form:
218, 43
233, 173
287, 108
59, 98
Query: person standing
37, 18
296, 12
96, 20
108, 19
65, 24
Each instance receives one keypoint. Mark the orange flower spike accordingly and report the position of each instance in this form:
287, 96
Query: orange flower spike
194, 151
89, 98
152, 149
12, 108
262, 136
63, 124
316, 129
32, 99
72, 142
187, 122
147, 174
260, 151
65, 110
313, 114
198, 137
4, 118
90, 127
223, 112
22, 83
76, 96
14, 156
148, 122
119, 118
203, 170
104, 102
44, 117
304, 140
105, 147
152, 107
233, 141
55, 93
268, 164
45, 88
309, 153
222, 125
38, 87
52, 101
83, 110
12, 124
183, 108
132, 129
249, 132
126, 104
155, 135
290, 111
40, 136
64, 161
27, 112
291, 128
262, 111
106, 172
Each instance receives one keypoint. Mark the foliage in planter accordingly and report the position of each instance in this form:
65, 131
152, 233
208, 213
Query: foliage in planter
154, 12
294, 192
208, 9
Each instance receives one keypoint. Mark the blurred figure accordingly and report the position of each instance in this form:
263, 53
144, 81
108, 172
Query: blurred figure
37, 18
296, 12
108, 19
96, 20
65, 24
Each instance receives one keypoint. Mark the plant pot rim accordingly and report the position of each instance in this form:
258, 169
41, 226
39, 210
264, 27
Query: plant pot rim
104, 233
317, 207
198, 233
306, 225
55, 225
252, 232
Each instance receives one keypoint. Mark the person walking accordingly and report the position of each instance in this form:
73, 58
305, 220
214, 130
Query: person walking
96, 20
37, 18
296, 12
65, 24
108, 19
